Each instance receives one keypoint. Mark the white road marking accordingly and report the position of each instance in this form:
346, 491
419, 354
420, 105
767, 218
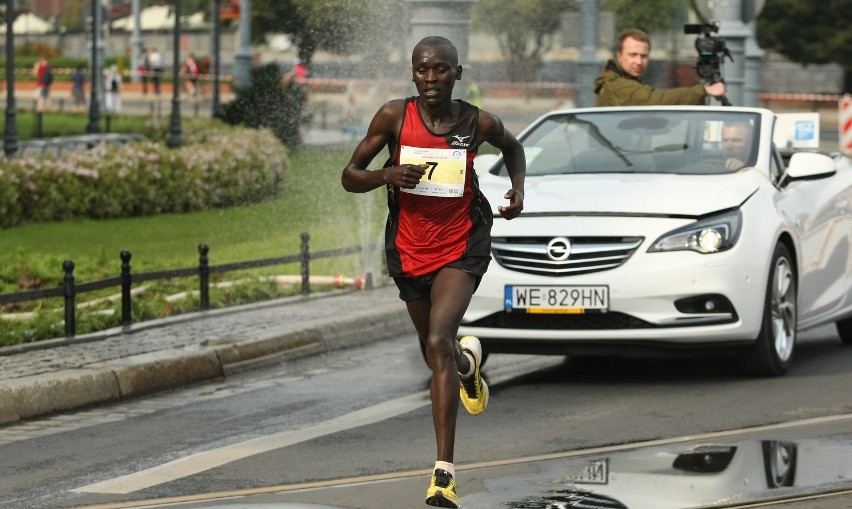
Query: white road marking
207, 460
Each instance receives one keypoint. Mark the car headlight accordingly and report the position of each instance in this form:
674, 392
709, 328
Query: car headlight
709, 235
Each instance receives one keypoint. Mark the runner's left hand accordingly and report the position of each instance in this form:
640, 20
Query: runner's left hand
516, 204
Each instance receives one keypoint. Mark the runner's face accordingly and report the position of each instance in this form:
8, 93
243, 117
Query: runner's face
433, 74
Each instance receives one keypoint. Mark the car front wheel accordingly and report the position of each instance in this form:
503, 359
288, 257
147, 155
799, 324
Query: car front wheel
772, 352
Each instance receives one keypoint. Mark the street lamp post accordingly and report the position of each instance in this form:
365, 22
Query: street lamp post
136, 42
175, 137
10, 138
216, 4
242, 57
94, 125
587, 63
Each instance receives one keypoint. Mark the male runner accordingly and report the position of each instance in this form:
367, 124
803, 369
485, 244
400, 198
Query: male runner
437, 237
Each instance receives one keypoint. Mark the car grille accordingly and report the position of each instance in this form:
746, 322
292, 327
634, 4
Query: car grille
588, 254
586, 321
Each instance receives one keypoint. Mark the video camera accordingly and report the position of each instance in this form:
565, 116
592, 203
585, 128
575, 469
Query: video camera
711, 52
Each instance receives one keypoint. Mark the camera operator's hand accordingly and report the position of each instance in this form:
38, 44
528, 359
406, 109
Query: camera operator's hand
716, 89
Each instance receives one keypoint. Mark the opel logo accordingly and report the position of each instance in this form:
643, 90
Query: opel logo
559, 249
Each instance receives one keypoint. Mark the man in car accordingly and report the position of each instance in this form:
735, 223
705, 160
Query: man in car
736, 144
438, 233
619, 84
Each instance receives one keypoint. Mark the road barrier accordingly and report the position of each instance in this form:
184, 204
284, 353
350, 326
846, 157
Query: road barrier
844, 108
69, 289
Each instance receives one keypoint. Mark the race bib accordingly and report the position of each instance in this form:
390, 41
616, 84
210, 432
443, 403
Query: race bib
445, 170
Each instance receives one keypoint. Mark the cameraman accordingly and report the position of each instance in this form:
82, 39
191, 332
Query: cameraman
619, 84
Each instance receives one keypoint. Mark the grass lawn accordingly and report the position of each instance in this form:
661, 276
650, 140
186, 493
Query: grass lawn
55, 123
311, 200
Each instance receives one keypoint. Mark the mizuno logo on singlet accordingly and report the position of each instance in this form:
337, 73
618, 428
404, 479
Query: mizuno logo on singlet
460, 141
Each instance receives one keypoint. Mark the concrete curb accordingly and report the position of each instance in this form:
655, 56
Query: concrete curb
44, 394
129, 377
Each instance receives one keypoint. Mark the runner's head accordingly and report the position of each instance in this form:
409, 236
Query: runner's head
435, 69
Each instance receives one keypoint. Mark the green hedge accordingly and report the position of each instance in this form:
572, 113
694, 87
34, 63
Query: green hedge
215, 168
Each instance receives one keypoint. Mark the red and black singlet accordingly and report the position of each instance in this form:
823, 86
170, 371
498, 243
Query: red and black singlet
427, 232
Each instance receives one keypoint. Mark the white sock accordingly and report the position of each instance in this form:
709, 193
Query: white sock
472, 368
443, 465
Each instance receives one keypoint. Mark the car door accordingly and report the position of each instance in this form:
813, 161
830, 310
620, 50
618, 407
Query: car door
819, 210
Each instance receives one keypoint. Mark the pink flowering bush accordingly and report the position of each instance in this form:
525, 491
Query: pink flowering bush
10, 205
216, 167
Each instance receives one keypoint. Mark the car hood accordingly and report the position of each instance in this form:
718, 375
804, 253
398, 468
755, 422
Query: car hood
624, 193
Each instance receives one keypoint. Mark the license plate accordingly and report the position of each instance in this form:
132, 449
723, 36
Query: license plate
556, 298
594, 471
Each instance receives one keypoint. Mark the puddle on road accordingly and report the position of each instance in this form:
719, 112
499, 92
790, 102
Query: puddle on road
678, 477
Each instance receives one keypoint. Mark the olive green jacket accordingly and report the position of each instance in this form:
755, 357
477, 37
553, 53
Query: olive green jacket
614, 87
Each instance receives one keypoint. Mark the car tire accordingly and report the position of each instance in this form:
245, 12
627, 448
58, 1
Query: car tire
772, 352
844, 330
423, 353
779, 463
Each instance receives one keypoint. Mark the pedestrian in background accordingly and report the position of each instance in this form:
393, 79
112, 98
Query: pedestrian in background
44, 79
112, 90
474, 93
189, 69
78, 83
155, 61
299, 73
143, 69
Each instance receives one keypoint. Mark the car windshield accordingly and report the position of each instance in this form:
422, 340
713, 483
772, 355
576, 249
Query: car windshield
647, 141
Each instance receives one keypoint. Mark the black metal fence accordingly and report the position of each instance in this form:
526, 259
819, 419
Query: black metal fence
69, 289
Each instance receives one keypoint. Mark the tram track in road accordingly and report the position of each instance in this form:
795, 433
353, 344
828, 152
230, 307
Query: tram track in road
835, 498
838, 499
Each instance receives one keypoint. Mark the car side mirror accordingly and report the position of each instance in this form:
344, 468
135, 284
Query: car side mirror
810, 165
484, 162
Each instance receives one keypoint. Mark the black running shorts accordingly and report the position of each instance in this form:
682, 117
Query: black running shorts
413, 288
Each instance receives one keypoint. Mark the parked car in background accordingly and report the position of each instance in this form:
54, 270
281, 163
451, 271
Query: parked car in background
659, 229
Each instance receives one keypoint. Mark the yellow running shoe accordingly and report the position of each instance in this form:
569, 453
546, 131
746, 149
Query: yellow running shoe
473, 390
442, 490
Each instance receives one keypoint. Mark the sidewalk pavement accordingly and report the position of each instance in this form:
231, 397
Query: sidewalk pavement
60, 375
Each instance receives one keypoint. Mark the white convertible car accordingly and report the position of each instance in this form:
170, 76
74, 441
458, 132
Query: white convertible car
654, 229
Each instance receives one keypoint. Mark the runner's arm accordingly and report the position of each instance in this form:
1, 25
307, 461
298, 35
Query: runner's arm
493, 131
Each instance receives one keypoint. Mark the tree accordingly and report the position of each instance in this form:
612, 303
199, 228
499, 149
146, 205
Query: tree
340, 26
524, 30
809, 32
74, 13
647, 15
266, 103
